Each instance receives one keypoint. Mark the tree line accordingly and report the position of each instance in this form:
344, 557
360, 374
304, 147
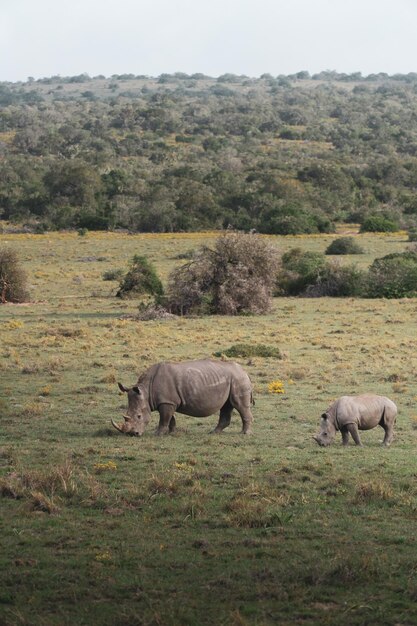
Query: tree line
287, 154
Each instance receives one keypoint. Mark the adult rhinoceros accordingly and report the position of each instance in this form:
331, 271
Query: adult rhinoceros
197, 388
352, 413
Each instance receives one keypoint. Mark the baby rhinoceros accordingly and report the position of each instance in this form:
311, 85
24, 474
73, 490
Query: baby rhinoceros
349, 414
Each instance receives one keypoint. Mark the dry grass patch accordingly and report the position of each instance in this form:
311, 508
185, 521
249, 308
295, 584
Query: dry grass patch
65, 331
39, 501
257, 506
299, 373
47, 490
34, 409
373, 491
347, 569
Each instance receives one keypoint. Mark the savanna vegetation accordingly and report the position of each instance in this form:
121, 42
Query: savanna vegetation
286, 154
191, 528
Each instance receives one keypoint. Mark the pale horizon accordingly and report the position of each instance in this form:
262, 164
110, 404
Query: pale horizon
50, 38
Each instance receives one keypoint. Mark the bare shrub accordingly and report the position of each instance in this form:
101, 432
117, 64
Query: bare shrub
237, 277
12, 278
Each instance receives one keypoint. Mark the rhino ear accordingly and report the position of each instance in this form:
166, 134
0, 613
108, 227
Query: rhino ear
324, 416
136, 390
122, 388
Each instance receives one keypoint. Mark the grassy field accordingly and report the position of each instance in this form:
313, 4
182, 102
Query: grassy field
196, 529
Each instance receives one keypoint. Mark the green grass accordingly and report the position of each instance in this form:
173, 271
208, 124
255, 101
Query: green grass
191, 528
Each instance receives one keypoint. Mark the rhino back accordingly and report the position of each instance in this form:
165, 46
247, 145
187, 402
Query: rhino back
365, 410
198, 388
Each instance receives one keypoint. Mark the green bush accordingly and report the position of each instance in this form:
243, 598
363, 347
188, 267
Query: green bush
12, 278
378, 224
245, 350
115, 274
235, 278
293, 221
141, 279
299, 270
344, 245
412, 234
393, 276
338, 281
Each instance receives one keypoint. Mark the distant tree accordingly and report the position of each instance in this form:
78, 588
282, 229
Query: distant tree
228, 78
89, 95
73, 182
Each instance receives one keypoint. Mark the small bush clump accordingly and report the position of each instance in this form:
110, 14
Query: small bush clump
114, 274
298, 271
292, 221
338, 281
247, 350
311, 274
344, 245
412, 234
141, 279
393, 276
378, 224
12, 278
188, 254
236, 277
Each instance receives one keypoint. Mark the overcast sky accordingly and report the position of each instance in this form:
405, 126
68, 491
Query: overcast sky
67, 37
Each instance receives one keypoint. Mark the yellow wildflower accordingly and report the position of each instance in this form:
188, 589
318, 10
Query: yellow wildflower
276, 386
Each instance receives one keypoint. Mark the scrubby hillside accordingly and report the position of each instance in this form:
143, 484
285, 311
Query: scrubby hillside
280, 154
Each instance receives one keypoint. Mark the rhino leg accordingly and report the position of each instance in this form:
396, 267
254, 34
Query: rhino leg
389, 434
247, 419
353, 429
345, 435
225, 417
387, 422
242, 404
172, 425
166, 415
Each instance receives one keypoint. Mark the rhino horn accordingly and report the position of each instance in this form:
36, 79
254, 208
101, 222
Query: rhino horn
117, 427
122, 388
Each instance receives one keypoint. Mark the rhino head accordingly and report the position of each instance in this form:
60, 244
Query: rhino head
327, 431
138, 412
